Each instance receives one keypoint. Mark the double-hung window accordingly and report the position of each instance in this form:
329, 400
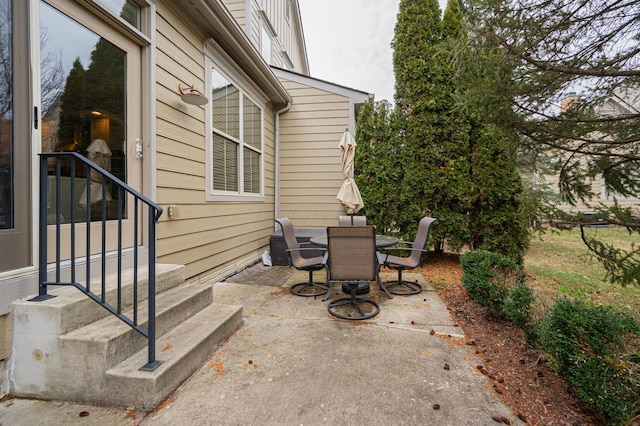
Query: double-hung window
234, 142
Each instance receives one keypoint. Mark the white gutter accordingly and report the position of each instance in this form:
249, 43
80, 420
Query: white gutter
277, 159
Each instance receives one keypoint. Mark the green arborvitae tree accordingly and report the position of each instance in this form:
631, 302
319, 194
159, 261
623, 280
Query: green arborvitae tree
417, 31
497, 215
378, 166
435, 147
498, 218
427, 157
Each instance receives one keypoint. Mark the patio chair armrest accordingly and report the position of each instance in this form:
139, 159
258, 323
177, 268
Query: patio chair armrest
388, 251
394, 248
399, 245
308, 249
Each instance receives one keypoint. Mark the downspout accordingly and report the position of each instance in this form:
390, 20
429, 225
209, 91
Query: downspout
277, 113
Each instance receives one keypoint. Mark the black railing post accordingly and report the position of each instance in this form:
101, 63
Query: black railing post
42, 234
152, 363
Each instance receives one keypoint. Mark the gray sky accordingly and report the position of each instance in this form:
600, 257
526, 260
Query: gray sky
349, 42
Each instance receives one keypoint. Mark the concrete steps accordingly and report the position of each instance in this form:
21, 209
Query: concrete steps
70, 348
182, 351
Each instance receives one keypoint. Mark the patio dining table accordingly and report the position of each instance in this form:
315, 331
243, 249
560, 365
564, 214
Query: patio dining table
381, 241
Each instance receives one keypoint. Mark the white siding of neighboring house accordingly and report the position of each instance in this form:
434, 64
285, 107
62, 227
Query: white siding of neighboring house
216, 238
310, 165
627, 102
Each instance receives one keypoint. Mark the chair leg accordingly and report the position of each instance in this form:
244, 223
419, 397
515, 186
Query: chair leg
402, 287
382, 286
324, 299
310, 288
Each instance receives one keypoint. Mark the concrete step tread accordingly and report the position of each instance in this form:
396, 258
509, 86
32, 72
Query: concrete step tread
173, 346
198, 296
72, 309
111, 281
182, 351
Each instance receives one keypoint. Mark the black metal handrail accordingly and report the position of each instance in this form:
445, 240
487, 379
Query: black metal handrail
51, 165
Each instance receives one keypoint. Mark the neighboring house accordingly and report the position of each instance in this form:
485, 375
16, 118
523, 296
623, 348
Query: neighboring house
265, 145
621, 103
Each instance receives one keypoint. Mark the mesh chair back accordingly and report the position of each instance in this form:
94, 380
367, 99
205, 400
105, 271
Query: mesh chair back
290, 240
352, 220
352, 253
421, 239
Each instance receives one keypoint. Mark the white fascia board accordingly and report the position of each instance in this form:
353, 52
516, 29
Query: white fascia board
357, 96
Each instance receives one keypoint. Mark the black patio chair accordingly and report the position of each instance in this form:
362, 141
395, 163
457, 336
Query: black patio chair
399, 263
351, 261
294, 249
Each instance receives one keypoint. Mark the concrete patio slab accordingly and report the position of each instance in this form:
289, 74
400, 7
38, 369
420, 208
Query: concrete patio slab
292, 363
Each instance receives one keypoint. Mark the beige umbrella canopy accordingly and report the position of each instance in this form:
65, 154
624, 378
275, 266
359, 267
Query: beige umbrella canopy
349, 194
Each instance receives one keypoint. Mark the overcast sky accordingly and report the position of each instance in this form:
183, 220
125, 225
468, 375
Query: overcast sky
349, 42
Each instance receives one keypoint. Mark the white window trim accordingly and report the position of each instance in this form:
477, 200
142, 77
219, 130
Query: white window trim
225, 68
265, 32
287, 11
142, 36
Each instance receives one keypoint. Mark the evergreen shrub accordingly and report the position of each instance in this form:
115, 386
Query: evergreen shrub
597, 349
496, 283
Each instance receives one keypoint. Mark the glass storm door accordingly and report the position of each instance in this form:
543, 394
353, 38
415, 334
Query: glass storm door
90, 79
15, 148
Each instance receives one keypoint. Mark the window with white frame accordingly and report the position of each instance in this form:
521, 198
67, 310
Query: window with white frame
608, 195
235, 146
266, 44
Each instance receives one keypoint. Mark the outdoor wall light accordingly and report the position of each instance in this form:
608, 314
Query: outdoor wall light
191, 95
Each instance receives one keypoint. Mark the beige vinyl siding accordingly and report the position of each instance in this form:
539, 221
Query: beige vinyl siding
237, 9
287, 35
310, 171
212, 239
253, 32
600, 195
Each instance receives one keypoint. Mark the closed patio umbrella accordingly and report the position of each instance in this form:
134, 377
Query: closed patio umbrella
99, 153
349, 194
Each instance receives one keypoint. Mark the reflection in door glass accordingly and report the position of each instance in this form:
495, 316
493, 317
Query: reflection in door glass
83, 81
6, 117
126, 9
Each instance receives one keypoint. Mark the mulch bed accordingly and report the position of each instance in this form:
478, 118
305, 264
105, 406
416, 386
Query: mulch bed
520, 374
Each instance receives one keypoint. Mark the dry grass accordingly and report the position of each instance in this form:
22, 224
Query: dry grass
559, 265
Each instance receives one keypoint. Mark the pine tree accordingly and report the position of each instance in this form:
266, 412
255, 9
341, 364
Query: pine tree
533, 54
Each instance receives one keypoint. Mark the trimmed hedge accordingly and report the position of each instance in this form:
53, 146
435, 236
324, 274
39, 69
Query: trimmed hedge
597, 349
496, 283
